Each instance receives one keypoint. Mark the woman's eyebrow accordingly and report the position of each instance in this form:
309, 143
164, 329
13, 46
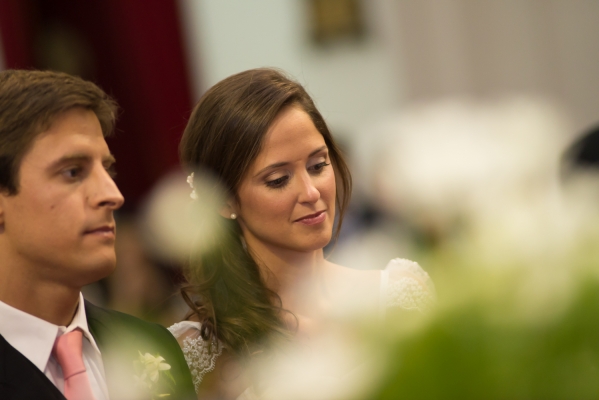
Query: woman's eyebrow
318, 150
283, 163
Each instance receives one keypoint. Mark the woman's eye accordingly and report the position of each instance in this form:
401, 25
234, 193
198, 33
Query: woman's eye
277, 183
319, 167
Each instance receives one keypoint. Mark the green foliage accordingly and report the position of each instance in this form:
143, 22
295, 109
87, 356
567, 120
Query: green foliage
465, 353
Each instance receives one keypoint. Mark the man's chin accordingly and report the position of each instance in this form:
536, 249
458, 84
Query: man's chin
105, 271
95, 271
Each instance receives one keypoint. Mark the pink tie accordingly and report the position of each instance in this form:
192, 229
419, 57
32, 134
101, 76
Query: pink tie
67, 351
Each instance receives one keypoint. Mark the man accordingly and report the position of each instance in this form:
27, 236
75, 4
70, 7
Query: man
57, 234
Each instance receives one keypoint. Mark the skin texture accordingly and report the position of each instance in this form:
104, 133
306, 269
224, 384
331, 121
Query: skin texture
291, 178
57, 233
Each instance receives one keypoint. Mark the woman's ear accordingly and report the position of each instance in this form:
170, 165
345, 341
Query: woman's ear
228, 210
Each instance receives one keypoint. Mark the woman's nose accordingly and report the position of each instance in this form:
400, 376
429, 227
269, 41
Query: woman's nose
308, 191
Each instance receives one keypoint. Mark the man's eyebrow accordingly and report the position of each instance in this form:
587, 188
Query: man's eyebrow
69, 159
109, 159
281, 164
82, 158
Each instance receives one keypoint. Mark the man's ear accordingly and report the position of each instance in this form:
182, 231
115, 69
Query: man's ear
228, 208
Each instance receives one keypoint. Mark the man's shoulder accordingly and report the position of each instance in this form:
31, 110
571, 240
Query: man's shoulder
100, 318
112, 328
125, 340
116, 330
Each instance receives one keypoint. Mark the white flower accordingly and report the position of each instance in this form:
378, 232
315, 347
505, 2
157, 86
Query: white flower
152, 366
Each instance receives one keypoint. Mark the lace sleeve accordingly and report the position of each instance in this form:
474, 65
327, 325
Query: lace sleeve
406, 285
200, 354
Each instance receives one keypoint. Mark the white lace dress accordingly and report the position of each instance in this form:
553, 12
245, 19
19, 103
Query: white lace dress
404, 284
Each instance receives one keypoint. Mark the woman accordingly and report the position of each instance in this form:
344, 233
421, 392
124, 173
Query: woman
260, 135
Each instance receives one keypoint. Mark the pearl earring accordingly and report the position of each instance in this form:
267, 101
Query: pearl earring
233, 216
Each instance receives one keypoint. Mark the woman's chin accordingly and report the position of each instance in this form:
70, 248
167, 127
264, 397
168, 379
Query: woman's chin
317, 243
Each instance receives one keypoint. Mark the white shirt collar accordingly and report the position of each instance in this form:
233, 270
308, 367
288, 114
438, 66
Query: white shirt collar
33, 337
80, 321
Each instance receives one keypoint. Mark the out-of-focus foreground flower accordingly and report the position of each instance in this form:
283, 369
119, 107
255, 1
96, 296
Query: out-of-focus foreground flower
175, 225
516, 268
515, 261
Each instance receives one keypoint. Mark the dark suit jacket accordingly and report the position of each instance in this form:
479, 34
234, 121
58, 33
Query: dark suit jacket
120, 338
20, 379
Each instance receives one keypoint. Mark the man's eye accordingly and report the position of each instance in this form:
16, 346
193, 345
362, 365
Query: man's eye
73, 172
278, 183
111, 169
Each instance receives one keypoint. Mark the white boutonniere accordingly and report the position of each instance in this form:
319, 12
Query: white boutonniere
153, 375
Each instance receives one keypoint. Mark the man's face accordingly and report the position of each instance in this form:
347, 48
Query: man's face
60, 225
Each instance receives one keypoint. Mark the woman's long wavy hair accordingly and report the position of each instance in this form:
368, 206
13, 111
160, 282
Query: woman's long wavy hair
223, 137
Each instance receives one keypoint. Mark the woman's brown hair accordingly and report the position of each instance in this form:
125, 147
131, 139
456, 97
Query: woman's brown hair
223, 138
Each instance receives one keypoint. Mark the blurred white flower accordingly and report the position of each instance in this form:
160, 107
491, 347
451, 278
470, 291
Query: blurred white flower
175, 226
484, 177
444, 158
333, 365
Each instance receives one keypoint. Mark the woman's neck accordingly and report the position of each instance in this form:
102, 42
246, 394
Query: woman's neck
290, 273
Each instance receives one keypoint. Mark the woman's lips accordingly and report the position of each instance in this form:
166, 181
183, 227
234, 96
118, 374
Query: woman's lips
102, 231
313, 219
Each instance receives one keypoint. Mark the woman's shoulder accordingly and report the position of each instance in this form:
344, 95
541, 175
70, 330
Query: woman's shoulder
356, 275
185, 329
200, 354
406, 285
351, 283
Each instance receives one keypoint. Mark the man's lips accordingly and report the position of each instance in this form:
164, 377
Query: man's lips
312, 218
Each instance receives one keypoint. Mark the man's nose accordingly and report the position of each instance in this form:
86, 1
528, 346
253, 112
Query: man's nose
108, 194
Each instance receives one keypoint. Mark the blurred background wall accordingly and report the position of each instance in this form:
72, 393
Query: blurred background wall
352, 69
361, 60
408, 50
546, 48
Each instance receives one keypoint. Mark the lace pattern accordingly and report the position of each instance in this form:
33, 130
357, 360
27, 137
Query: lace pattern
406, 285
200, 354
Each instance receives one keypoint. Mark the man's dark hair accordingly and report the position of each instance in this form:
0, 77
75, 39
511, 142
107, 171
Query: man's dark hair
30, 101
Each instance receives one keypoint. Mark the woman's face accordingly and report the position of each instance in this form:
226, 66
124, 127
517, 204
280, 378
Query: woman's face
286, 201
